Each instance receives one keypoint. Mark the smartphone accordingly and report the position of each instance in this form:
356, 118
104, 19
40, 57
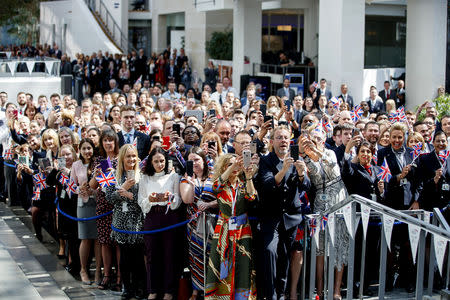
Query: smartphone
356, 131
288, 104
176, 128
44, 163
61, 163
268, 118
247, 157
251, 132
25, 160
263, 109
253, 147
190, 168
78, 111
282, 123
156, 138
170, 165
211, 144
166, 142
105, 165
57, 108
196, 113
294, 152
16, 113
212, 112
130, 174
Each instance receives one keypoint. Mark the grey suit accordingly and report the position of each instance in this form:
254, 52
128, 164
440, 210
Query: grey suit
281, 93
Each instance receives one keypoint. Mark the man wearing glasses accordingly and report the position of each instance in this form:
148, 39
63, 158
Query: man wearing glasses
280, 180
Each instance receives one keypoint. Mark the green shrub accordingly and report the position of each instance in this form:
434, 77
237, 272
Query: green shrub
220, 46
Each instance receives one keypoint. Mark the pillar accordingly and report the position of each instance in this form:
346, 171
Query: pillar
311, 31
341, 45
426, 44
247, 24
159, 32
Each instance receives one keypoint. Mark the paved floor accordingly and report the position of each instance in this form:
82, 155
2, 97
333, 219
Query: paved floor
30, 269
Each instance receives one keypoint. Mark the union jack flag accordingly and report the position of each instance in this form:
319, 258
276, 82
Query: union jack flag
327, 126
375, 158
135, 142
394, 117
139, 80
148, 128
304, 203
315, 84
417, 150
335, 102
312, 227
384, 173
357, 113
63, 179
8, 154
401, 113
39, 181
323, 222
443, 155
106, 180
36, 194
71, 188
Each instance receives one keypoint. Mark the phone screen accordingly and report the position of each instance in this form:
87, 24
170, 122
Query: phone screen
294, 152
190, 168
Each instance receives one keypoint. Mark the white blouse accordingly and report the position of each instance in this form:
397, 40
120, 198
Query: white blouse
159, 183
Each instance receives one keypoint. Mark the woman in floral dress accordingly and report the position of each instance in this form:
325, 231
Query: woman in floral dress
230, 273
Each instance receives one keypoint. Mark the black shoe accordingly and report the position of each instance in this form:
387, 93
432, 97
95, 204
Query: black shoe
127, 294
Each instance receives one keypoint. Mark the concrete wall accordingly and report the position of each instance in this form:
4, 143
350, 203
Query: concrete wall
83, 33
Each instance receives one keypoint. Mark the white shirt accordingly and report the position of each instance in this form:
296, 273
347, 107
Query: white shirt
159, 183
216, 97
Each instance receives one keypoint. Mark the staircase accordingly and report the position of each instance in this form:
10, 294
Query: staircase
109, 25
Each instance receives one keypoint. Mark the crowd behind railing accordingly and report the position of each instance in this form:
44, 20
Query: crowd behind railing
127, 171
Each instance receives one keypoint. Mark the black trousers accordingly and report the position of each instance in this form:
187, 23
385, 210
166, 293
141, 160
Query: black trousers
276, 248
11, 185
163, 257
132, 266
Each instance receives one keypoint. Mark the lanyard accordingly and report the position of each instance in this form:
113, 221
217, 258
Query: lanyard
234, 199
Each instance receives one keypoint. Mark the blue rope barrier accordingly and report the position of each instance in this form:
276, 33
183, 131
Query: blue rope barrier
81, 219
151, 231
9, 165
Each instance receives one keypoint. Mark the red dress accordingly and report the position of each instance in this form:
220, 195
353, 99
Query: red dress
160, 76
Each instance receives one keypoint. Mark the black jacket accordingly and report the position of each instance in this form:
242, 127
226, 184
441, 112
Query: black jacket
143, 143
279, 202
358, 180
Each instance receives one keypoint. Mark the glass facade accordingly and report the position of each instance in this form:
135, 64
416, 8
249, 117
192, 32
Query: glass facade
385, 44
140, 34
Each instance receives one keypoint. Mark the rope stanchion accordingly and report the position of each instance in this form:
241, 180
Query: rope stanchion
9, 165
80, 219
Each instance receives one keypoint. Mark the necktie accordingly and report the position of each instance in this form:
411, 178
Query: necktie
128, 138
367, 167
388, 95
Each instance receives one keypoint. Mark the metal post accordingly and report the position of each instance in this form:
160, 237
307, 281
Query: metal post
205, 239
420, 265
363, 266
383, 255
325, 264
432, 263
305, 259
312, 273
331, 265
351, 254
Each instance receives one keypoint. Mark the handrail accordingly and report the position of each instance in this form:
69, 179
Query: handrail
111, 30
382, 209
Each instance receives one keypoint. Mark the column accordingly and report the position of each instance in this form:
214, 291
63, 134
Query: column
247, 24
426, 39
341, 45
311, 30
159, 32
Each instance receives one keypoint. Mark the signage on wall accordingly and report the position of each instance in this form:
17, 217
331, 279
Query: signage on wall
116, 4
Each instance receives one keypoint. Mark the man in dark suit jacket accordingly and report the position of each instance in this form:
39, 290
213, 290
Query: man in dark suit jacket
129, 134
375, 103
387, 92
285, 91
172, 72
279, 183
323, 89
345, 96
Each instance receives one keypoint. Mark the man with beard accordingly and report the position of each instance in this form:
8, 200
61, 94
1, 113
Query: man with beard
371, 133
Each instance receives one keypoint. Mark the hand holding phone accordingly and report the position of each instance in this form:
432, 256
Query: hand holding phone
247, 158
190, 168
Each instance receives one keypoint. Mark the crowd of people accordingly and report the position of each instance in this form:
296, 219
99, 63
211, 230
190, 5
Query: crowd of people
240, 171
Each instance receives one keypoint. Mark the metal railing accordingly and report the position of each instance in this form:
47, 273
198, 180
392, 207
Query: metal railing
200, 2
439, 227
109, 25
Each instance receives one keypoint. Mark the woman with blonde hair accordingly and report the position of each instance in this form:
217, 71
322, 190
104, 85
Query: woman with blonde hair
413, 139
128, 216
230, 273
390, 106
211, 145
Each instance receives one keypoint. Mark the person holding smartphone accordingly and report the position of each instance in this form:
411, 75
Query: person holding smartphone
197, 193
128, 216
159, 199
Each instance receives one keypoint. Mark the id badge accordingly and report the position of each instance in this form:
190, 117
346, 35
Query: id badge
63, 194
124, 207
323, 197
403, 181
80, 202
374, 197
446, 187
232, 224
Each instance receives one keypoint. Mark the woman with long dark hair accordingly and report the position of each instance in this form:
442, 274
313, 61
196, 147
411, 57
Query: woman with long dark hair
159, 199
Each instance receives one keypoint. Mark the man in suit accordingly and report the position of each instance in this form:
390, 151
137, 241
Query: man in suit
323, 89
141, 64
387, 93
128, 134
285, 91
280, 181
172, 72
223, 130
375, 103
345, 96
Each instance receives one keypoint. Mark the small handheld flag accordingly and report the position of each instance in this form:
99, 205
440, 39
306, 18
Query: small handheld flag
71, 188
39, 181
384, 174
106, 180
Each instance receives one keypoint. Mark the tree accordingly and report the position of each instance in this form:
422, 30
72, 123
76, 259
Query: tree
220, 46
21, 17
